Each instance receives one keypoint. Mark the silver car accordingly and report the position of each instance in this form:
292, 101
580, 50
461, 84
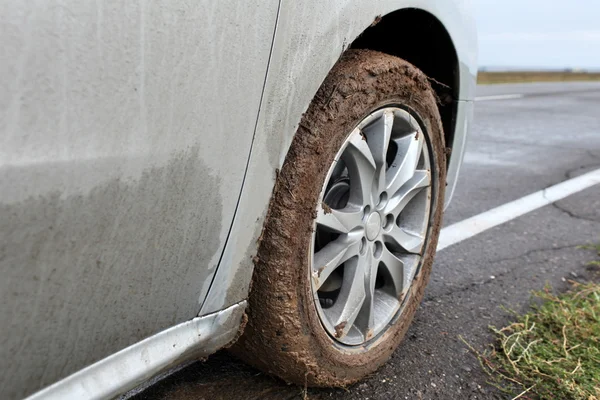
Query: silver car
181, 176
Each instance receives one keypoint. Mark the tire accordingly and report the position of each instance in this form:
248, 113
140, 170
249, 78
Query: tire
285, 334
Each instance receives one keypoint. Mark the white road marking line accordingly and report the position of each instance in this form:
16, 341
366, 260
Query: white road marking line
479, 223
500, 97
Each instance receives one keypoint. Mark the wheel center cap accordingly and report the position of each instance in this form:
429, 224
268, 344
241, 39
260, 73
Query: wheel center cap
373, 226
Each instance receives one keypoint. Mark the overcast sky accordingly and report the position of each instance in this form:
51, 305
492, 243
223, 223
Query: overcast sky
539, 33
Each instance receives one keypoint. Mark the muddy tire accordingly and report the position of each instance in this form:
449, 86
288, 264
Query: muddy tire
285, 334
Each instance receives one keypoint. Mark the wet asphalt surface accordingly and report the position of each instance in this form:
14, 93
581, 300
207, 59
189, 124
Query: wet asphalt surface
517, 147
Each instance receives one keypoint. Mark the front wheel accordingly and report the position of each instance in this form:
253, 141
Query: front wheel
352, 228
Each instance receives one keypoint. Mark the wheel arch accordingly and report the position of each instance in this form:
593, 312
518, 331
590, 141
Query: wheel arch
430, 49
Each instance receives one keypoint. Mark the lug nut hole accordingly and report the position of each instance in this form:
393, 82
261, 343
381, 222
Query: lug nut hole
389, 221
383, 198
363, 245
377, 249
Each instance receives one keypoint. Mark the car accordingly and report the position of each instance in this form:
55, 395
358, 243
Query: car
179, 177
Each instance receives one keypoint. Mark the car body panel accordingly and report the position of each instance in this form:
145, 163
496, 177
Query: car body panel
126, 130
302, 33
143, 207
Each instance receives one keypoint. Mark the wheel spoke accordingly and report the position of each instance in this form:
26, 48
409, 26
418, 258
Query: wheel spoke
404, 240
365, 320
332, 256
340, 221
351, 298
411, 262
403, 167
395, 268
361, 169
378, 136
420, 180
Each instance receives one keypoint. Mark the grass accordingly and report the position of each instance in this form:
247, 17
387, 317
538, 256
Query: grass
553, 351
486, 77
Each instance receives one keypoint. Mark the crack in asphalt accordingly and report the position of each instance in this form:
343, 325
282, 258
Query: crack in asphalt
569, 172
568, 175
593, 155
464, 288
572, 214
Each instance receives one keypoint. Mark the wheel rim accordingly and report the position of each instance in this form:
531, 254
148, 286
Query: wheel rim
371, 226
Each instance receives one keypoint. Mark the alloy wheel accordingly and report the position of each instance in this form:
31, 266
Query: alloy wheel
371, 226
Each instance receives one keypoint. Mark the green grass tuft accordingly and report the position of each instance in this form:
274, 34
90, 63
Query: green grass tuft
552, 352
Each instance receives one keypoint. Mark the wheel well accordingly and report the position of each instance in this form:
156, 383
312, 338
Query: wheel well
420, 38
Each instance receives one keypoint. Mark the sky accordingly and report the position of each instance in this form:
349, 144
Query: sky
539, 33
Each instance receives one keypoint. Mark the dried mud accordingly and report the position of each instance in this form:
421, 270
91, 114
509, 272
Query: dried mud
283, 335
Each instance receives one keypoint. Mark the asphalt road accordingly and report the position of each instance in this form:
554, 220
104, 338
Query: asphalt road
519, 145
